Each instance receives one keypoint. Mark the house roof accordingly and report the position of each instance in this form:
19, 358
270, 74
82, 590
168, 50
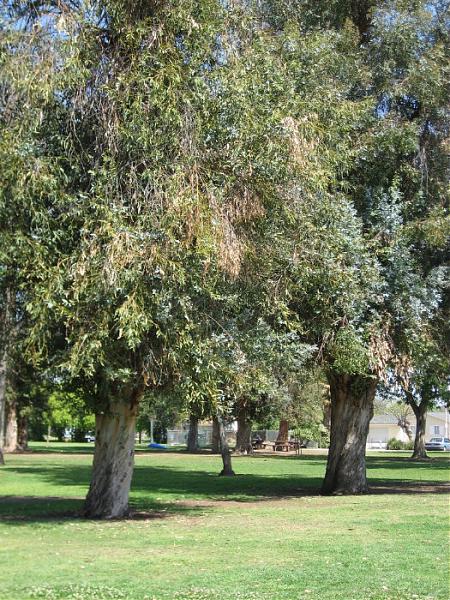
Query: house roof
391, 420
439, 415
384, 420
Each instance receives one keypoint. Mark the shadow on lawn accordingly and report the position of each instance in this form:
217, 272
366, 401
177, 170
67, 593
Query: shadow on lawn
183, 488
18, 510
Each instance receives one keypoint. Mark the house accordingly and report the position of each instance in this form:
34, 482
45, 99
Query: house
385, 427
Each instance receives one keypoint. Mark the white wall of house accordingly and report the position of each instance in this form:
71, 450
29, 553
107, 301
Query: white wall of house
438, 424
381, 433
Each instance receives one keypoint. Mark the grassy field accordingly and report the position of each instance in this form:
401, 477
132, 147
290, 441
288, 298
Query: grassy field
265, 534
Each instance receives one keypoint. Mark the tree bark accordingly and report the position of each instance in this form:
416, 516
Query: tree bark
6, 337
227, 470
327, 410
192, 440
403, 423
243, 435
2, 405
10, 444
352, 398
420, 412
283, 432
215, 442
113, 461
22, 433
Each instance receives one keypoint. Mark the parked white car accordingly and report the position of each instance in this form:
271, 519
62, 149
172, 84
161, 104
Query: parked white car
438, 443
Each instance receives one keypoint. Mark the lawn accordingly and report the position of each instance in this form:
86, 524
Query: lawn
265, 534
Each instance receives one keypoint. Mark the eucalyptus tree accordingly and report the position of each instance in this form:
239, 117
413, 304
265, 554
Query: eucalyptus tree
20, 98
424, 376
361, 270
146, 164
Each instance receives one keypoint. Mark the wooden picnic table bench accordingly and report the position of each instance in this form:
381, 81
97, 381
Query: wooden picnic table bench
286, 446
265, 445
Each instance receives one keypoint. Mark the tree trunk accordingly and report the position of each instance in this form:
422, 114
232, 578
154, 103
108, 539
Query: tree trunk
404, 425
283, 432
215, 442
227, 470
192, 440
22, 433
113, 461
6, 338
2, 405
352, 398
327, 410
244, 435
10, 444
420, 412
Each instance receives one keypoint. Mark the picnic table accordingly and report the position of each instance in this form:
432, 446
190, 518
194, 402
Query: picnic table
275, 446
267, 444
286, 446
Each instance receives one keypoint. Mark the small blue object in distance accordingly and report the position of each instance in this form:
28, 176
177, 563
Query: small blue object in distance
159, 446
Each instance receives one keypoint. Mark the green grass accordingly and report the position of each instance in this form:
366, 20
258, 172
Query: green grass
265, 534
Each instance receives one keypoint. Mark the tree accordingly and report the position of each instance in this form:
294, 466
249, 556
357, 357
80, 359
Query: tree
423, 381
198, 168
358, 271
147, 167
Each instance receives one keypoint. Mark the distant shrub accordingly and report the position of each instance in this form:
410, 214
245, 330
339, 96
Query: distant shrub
394, 444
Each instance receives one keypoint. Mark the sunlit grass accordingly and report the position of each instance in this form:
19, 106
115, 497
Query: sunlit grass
264, 534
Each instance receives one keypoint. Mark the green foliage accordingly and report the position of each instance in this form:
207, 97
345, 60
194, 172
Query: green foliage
394, 444
69, 410
196, 195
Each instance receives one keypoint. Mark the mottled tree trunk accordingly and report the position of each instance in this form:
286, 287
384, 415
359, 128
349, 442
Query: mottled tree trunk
2, 405
227, 470
283, 432
7, 335
215, 442
192, 440
22, 433
243, 435
352, 398
420, 412
113, 461
10, 444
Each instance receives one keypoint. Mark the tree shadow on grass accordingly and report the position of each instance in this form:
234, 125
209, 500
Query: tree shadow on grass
175, 484
405, 463
20, 510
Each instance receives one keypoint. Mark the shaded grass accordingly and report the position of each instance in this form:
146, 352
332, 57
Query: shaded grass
264, 534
